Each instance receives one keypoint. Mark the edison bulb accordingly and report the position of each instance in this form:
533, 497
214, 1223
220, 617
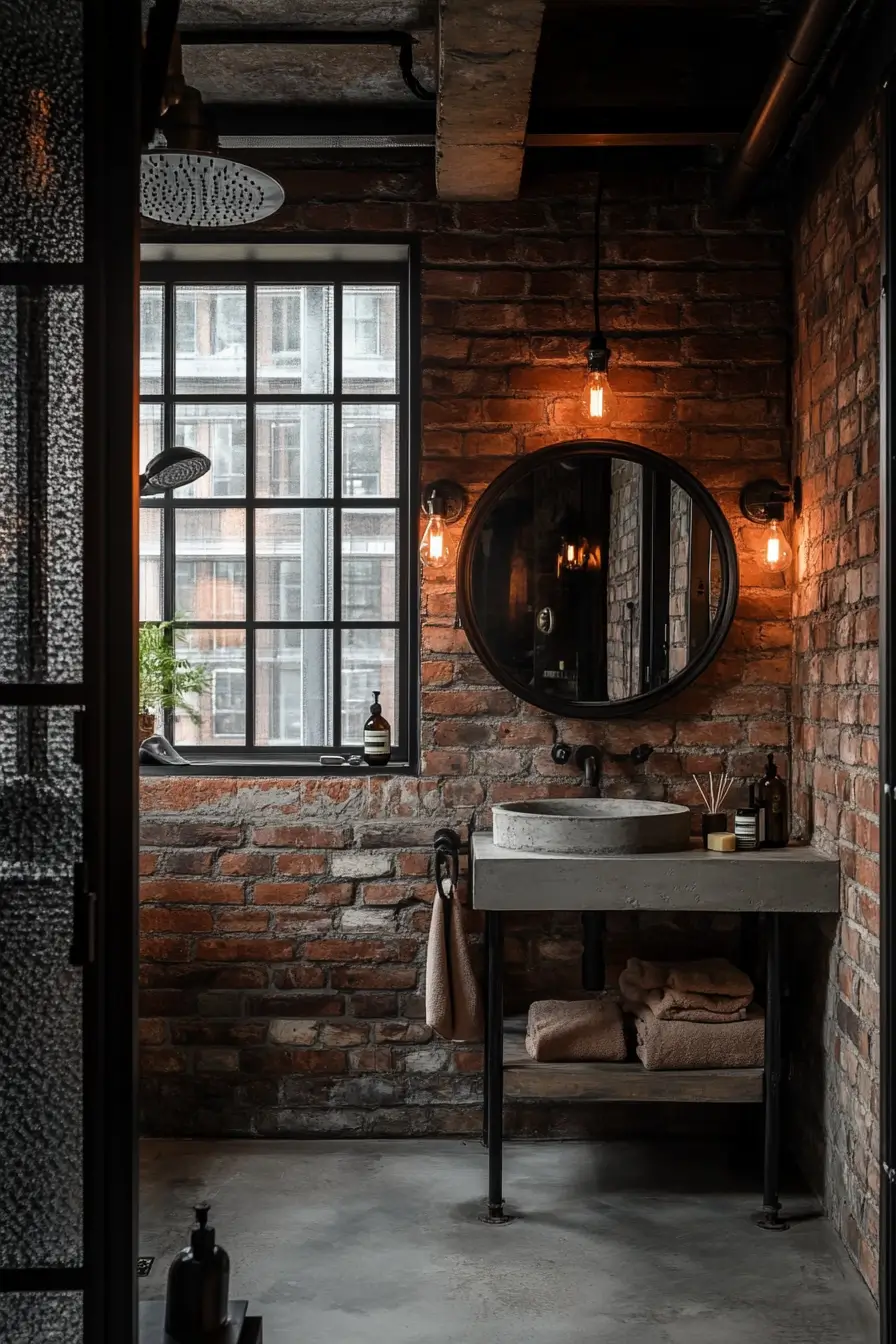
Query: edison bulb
434, 551
776, 553
599, 398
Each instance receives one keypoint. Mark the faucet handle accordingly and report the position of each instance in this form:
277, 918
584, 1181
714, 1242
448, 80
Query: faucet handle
561, 753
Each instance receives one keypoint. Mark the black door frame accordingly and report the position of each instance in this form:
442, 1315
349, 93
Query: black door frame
112, 49
887, 1276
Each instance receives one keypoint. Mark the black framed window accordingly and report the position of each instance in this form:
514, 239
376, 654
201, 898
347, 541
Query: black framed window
288, 569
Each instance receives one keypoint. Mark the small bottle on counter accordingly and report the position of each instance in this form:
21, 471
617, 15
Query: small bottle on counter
772, 799
746, 827
377, 735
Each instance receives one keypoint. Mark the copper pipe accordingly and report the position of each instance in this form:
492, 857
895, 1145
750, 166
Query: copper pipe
775, 107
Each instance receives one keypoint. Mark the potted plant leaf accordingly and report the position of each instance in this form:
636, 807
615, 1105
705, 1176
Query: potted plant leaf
166, 679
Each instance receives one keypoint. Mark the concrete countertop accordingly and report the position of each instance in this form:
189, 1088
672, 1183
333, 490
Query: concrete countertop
798, 878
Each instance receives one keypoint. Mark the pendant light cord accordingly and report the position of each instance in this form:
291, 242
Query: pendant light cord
596, 292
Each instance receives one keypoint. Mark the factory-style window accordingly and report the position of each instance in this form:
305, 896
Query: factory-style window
287, 569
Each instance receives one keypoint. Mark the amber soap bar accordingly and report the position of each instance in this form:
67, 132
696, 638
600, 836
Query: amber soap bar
721, 841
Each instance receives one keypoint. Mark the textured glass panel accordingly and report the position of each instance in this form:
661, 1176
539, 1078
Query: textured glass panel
218, 431
294, 338
369, 450
369, 662
369, 569
41, 377
41, 131
210, 564
152, 338
293, 681
294, 564
151, 525
150, 433
40, 993
370, 338
293, 451
41, 1318
209, 338
216, 716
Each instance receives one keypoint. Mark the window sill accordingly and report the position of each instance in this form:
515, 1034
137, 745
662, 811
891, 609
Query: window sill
270, 765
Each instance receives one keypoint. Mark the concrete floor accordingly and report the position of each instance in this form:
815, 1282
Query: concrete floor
377, 1242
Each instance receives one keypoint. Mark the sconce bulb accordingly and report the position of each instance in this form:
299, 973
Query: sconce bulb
434, 550
776, 553
600, 401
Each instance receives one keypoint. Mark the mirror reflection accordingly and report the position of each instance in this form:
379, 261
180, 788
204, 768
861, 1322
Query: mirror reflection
592, 577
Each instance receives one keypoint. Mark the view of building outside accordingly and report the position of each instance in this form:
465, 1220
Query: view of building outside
294, 515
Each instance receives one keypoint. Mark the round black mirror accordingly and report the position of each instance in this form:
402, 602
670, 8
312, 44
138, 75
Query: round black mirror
596, 579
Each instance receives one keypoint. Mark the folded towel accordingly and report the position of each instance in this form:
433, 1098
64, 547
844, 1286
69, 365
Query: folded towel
640, 976
588, 1029
700, 1045
713, 975
661, 1007
682, 1006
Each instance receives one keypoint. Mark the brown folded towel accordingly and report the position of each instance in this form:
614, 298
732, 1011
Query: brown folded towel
714, 975
683, 1007
588, 1029
700, 1045
643, 975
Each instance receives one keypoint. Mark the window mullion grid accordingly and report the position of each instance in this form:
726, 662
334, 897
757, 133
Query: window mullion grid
336, 731
168, 430
250, 515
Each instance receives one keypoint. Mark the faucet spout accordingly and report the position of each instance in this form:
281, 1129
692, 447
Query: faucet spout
588, 762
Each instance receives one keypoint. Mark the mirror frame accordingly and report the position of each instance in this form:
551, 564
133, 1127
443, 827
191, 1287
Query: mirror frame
645, 457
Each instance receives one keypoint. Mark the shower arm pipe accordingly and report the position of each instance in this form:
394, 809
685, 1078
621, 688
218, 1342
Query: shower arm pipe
814, 33
268, 35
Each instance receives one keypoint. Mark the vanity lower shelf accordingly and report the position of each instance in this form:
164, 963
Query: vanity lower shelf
527, 1080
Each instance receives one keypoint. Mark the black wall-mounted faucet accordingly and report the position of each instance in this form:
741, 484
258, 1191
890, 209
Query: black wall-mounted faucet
586, 758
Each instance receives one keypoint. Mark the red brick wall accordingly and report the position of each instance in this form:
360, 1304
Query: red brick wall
284, 922
835, 702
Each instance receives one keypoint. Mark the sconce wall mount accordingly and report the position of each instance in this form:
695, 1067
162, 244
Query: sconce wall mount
447, 498
764, 501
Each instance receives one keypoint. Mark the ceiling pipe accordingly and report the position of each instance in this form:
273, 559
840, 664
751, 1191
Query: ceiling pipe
776, 106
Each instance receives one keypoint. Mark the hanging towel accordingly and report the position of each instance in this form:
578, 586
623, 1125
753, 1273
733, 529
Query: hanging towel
453, 1001
700, 1045
589, 1029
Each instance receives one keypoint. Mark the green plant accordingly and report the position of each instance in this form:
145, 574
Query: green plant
165, 679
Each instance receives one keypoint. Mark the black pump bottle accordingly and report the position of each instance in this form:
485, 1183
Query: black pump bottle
198, 1286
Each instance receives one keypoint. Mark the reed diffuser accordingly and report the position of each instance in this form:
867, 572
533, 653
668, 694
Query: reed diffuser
717, 789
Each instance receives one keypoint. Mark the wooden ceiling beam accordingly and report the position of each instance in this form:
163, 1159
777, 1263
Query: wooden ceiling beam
486, 60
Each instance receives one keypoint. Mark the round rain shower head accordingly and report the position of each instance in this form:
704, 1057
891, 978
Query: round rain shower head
170, 470
204, 191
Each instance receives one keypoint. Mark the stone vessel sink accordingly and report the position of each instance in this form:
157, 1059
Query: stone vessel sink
592, 826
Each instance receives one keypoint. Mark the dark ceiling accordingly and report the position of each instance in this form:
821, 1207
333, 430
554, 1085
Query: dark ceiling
642, 66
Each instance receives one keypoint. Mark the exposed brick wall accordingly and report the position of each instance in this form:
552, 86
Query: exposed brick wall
284, 922
835, 704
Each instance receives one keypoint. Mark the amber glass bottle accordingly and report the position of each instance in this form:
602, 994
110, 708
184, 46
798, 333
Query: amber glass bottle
772, 798
377, 735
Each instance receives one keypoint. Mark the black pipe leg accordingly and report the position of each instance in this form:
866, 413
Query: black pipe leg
594, 973
771, 1205
494, 1069
485, 1050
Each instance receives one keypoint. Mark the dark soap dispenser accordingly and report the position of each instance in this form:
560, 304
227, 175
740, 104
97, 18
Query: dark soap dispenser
198, 1286
772, 798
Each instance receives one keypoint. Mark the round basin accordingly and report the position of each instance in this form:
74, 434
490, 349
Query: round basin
592, 826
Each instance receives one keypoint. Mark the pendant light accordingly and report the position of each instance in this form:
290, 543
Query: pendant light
599, 398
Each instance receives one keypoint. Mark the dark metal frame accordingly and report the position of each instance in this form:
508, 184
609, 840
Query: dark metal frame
887, 1274
295, 759
612, 448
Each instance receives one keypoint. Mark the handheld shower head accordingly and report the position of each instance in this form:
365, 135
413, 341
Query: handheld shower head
172, 469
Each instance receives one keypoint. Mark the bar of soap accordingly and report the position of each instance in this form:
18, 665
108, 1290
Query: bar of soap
722, 841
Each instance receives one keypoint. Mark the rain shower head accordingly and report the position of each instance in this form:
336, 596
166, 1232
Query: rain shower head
170, 470
204, 191
185, 181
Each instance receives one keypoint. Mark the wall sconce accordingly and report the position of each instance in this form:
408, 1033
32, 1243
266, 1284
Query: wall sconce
442, 502
763, 502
